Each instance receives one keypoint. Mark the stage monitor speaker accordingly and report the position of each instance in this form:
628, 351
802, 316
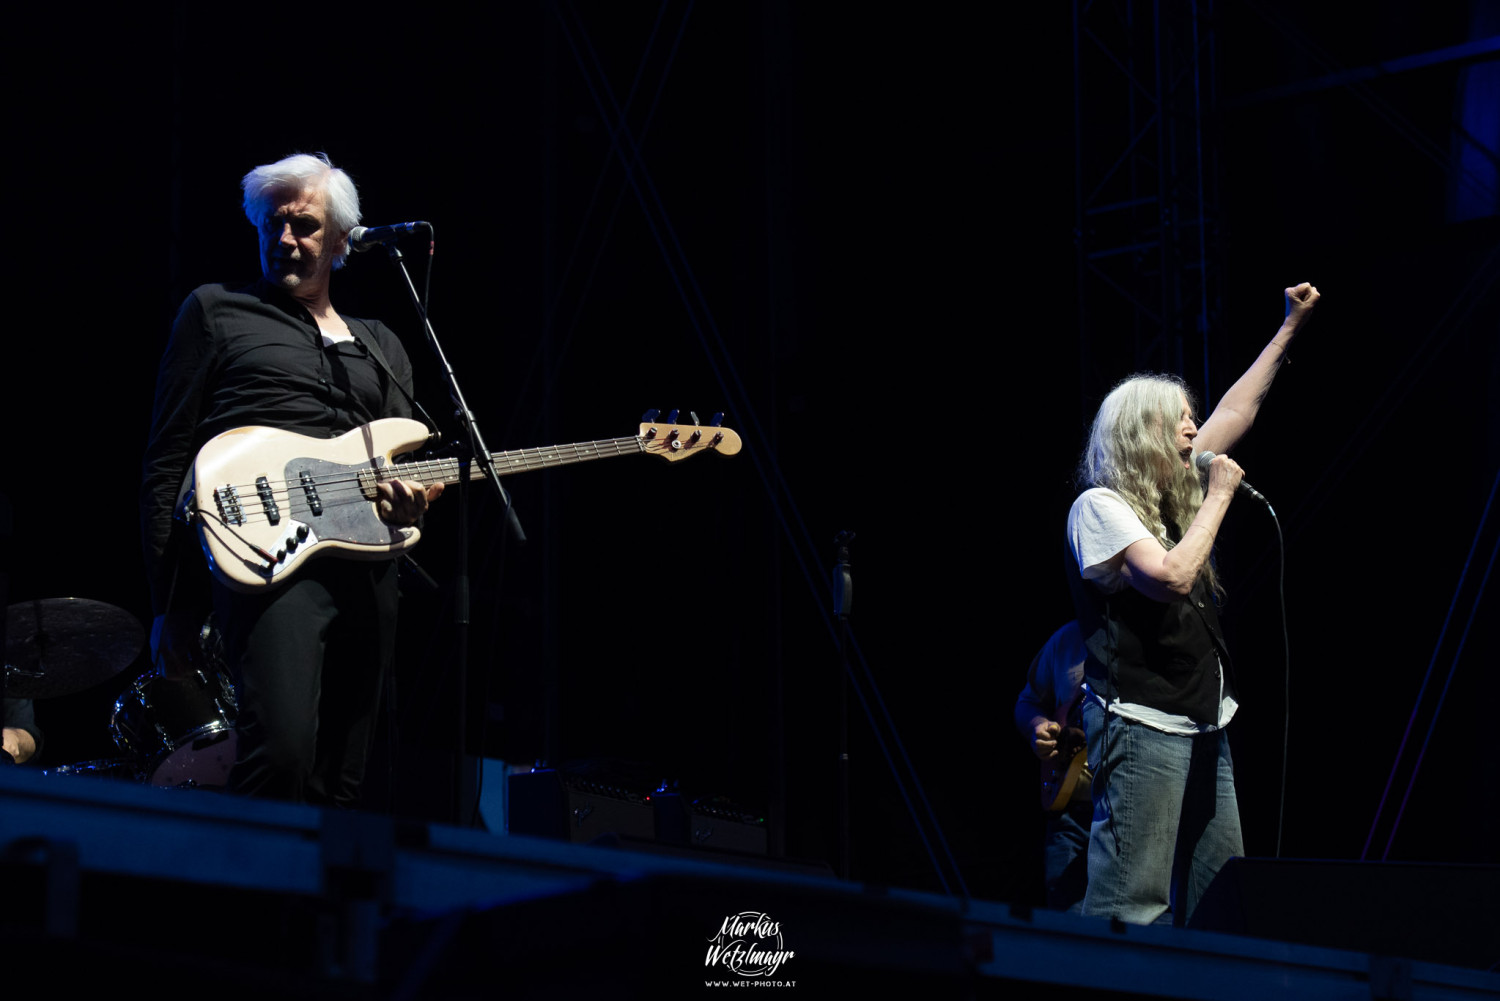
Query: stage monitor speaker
1426, 911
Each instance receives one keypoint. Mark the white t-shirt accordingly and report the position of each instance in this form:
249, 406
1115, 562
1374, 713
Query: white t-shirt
1100, 527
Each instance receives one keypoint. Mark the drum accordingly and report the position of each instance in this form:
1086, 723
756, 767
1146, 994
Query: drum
180, 730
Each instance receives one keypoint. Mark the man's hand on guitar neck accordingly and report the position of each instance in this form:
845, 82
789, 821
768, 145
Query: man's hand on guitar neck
1044, 734
403, 502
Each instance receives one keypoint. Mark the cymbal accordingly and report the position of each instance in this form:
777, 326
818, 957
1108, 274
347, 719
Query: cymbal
57, 646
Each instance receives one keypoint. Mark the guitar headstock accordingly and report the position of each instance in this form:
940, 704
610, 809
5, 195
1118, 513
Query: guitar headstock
674, 441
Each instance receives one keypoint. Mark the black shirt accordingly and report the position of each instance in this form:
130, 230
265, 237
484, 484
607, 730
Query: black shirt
254, 356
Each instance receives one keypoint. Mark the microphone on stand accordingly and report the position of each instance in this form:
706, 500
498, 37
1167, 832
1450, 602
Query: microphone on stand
365, 237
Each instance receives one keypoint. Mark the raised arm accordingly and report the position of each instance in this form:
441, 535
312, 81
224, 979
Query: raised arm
1236, 411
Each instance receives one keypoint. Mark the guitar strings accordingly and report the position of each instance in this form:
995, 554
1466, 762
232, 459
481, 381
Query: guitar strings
520, 460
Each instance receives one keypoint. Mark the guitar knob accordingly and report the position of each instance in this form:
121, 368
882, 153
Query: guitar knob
301, 533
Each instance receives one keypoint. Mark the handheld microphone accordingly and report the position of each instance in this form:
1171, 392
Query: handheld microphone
365, 237
1203, 459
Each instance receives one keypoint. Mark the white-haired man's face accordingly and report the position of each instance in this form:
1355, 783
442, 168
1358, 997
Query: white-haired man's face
296, 245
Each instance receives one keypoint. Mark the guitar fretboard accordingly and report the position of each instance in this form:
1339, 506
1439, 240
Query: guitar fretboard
519, 461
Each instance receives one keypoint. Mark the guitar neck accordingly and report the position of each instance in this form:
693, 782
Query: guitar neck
519, 461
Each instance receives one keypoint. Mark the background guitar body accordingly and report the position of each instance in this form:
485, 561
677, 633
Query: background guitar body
256, 489
1065, 774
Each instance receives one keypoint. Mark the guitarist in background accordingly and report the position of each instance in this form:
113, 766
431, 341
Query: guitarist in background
309, 659
1047, 714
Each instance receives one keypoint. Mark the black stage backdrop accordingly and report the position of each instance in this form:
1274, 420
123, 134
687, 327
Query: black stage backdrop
853, 232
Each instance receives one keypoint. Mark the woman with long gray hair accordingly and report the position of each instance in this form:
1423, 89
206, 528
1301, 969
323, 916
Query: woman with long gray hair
1160, 687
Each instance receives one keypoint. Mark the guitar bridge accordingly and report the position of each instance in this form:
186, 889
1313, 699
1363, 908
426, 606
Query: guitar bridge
227, 498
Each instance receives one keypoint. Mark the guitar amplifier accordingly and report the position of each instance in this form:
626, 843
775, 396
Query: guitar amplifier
569, 807
714, 824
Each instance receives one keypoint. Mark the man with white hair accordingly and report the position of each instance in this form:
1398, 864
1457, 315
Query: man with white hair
309, 659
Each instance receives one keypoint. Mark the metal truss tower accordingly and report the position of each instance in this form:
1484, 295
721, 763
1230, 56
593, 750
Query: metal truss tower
1146, 191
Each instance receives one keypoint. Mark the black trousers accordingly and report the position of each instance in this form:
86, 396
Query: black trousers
309, 661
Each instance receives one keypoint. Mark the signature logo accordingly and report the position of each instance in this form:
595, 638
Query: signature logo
748, 944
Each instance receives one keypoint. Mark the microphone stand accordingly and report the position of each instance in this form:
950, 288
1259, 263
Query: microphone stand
843, 603
478, 451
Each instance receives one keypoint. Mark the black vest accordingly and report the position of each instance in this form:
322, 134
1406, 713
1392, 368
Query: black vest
1161, 654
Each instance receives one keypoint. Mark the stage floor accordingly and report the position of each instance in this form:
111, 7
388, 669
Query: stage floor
110, 883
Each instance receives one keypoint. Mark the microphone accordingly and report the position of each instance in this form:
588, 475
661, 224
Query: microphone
365, 237
1202, 461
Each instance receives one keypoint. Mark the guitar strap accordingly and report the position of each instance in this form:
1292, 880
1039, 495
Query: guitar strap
365, 338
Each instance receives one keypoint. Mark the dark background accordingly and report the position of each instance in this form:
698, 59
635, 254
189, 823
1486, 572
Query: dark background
853, 233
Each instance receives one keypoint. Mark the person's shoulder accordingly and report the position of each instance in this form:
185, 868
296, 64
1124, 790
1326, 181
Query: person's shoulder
1097, 499
1064, 643
223, 290
216, 294
1100, 510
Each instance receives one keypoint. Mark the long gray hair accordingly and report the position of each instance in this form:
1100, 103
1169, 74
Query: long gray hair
1132, 450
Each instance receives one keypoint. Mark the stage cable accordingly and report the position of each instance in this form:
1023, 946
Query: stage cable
1286, 691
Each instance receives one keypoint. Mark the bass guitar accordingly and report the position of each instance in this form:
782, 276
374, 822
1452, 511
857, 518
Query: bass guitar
265, 501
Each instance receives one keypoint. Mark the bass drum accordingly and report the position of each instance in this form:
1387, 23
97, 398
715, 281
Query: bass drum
180, 730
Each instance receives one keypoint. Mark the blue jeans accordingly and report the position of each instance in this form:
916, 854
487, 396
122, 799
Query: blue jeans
1165, 819
1065, 856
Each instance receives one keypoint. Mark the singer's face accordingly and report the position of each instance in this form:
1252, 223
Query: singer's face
296, 246
1187, 430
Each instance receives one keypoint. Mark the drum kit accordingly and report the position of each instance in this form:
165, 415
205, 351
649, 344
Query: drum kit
171, 731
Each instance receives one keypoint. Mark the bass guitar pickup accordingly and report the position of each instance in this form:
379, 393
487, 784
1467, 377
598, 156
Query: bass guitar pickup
310, 491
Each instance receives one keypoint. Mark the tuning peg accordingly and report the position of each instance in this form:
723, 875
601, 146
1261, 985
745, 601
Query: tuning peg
649, 416
716, 419
693, 414
671, 416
